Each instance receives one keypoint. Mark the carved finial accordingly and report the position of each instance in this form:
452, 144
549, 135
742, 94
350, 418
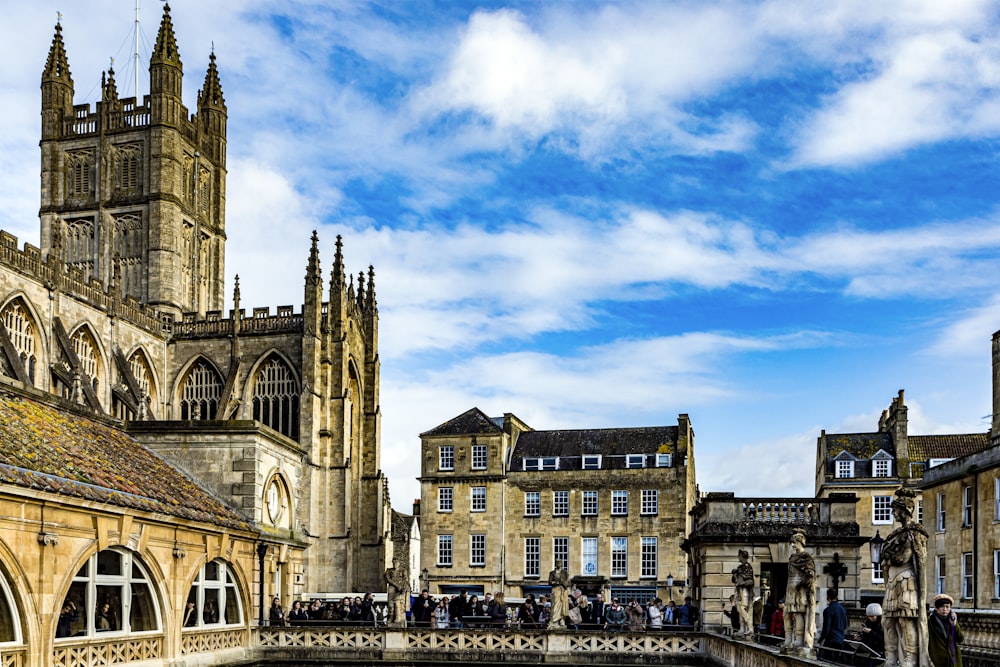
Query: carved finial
337, 275
313, 270
370, 302
361, 289
236, 293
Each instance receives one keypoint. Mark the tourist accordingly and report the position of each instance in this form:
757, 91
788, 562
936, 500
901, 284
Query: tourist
670, 613
458, 607
422, 610
527, 615
871, 633
103, 621
277, 614
732, 613
69, 615
655, 614
597, 611
442, 617
476, 606
777, 624
834, 625
190, 615
210, 614
635, 615
944, 634
498, 612
298, 612
616, 616
686, 613
586, 611
368, 609
316, 611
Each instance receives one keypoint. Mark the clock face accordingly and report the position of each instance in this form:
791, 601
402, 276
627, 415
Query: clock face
273, 502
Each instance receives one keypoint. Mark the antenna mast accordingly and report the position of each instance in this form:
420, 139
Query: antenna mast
135, 73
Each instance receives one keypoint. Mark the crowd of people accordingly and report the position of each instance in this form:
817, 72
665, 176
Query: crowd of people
348, 611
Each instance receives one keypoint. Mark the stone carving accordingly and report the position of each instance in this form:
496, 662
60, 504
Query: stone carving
397, 581
743, 579
559, 580
800, 599
904, 555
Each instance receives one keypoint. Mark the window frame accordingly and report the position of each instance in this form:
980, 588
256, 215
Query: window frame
967, 507
881, 515
996, 574
477, 493
532, 557
940, 574
445, 550
882, 468
446, 458
477, 553
446, 499
664, 460
590, 558
635, 461
590, 462
560, 552
650, 502
968, 575
479, 457
589, 503
619, 557
843, 469
532, 503
942, 517
619, 502
649, 557
560, 503
16, 616
226, 584
878, 575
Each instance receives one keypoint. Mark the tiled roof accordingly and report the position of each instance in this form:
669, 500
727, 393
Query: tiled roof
55, 450
605, 441
861, 445
473, 421
925, 447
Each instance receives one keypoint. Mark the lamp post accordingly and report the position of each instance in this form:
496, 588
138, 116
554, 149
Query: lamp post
875, 545
670, 585
261, 555
424, 580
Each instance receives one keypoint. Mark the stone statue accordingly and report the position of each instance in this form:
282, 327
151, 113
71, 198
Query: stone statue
397, 589
559, 580
743, 579
904, 555
800, 599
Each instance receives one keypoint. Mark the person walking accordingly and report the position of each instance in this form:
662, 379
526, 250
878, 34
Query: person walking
944, 634
834, 625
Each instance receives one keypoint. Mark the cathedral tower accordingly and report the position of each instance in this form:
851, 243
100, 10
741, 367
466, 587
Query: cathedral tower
136, 191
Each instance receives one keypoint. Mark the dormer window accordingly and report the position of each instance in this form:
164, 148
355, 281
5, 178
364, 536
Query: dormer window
663, 460
541, 463
881, 467
635, 461
591, 462
845, 469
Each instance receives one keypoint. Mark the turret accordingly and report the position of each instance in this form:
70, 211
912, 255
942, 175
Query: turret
312, 310
165, 74
57, 89
212, 113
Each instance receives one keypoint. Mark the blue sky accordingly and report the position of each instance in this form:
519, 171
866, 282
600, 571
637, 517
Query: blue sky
769, 215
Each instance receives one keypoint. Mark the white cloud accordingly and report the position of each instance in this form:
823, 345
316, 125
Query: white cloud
967, 334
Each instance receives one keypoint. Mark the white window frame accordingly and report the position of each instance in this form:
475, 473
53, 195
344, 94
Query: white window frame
633, 461
446, 458
881, 510
477, 550
226, 585
940, 574
996, 574
920, 510
664, 460
967, 506
532, 503
15, 613
480, 457
446, 499
941, 515
650, 502
844, 469
589, 503
560, 503
882, 468
560, 552
589, 557
531, 464
549, 463
968, 575
445, 551
619, 502
996, 499
619, 557
478, 499
532, 557
649, 558
590, 462
877, 576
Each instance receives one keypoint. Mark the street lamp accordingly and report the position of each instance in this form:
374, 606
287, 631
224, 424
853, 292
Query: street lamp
875, 544
670, 585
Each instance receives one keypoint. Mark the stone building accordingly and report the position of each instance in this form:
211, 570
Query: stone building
502, 505
120, 311
874, 465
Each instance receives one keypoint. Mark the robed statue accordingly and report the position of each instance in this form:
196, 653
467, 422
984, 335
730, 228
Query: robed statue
800, 598
743, 578
904, 557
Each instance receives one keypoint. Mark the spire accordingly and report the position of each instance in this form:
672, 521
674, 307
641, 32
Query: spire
370, 302
313, 271
236, 294
109, 89
56, 65
337, 275
165, 50
361, 290
210, 95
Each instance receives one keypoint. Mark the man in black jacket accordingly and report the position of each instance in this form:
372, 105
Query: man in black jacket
423, 610
457, 608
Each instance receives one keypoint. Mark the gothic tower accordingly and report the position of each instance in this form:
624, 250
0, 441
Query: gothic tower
133, 192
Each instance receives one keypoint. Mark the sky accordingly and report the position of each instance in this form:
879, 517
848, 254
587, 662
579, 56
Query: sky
771, 216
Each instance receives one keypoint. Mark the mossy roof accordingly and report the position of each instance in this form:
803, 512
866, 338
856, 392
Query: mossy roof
57, 450
470, 422
860, 445
926, 447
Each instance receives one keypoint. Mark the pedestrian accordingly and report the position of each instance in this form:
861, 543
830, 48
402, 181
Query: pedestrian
277, 615
498, 612
732, 613
834, 625
944, 634
777, 627
636, 616
597, 611
871, 634
298, 612
655, 614
422, 610
442, 617
616, 616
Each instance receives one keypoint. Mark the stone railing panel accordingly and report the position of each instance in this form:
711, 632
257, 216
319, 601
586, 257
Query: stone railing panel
203, 642
13, 657
111, 652
321, 638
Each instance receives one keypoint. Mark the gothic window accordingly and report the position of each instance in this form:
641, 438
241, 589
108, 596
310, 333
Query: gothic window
128, 161
10, 623
86, 351
127, 251
79, 165
143, 374
205, 191
22, 333
187, 258
110, 594
276, 397
214, 598
78, 245
188, 182
201, 392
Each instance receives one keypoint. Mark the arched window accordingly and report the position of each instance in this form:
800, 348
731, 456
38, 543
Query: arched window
110, 594
214, 598
78, 245
10, 622
78, 167
127, 165
86, 351
201, 392
143, 374
128, 252
276, 397
22, 333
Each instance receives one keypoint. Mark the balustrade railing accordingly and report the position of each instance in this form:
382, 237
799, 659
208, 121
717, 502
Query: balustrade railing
780, 511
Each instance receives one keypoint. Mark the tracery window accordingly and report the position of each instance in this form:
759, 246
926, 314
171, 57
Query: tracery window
201, 392
214, 598
111, 593
86, 351
128, 162
143, 375
78, 245
21, 330
128, 252
79, 165
276, 397
10, 623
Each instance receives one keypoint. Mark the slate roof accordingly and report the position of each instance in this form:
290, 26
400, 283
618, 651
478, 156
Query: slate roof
925, 447
471, 422
55, 450
605, 441
861, 445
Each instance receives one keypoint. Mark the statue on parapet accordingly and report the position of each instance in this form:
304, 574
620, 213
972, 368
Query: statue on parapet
800, 599
559, 581
904, 557
397, 579
743, 578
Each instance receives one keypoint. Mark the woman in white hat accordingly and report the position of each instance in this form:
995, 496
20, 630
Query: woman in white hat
871, 634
